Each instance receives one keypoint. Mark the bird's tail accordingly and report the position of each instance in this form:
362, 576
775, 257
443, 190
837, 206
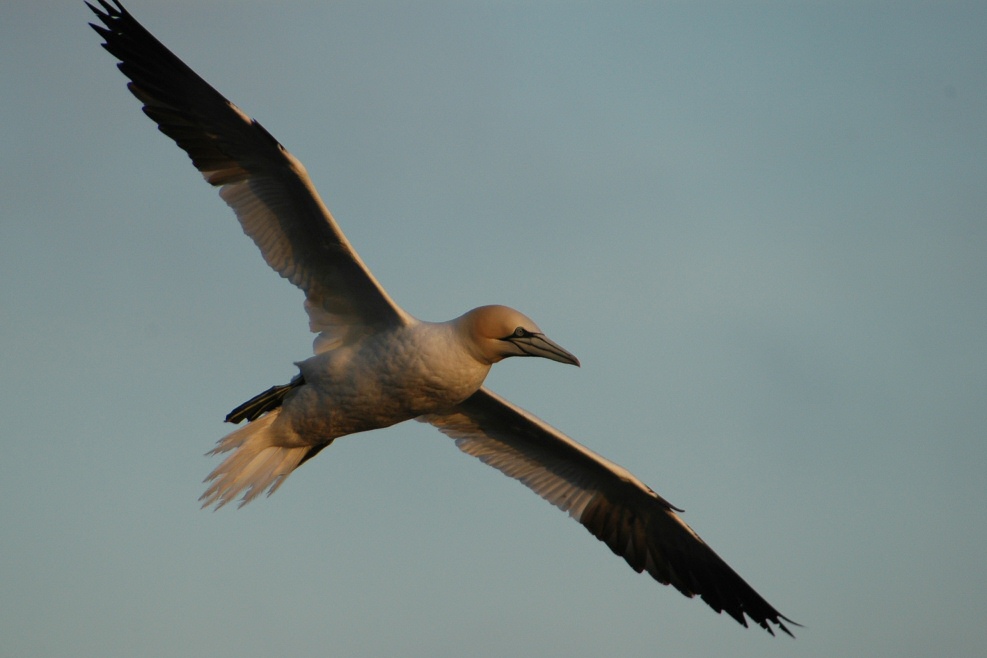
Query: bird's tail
256, 463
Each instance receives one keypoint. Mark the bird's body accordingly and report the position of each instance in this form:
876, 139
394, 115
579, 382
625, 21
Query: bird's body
387, 377
375, 365
371, 379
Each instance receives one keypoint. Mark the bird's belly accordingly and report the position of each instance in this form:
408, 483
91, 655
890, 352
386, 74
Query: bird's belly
350, 391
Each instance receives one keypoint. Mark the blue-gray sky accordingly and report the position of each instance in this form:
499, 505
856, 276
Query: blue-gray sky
760, 226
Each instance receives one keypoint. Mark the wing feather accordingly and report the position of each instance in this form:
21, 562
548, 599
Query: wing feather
267, 188
617, 508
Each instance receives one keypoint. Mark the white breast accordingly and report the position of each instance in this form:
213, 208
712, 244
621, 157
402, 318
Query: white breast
383, 379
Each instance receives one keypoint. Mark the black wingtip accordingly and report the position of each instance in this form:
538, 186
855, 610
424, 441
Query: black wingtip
785, 628
778, 620
108, 12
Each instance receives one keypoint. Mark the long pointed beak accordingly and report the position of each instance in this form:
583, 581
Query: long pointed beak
541, 345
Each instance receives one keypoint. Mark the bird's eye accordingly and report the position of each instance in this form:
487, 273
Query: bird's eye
519, 332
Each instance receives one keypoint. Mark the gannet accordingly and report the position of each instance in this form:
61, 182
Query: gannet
375, 365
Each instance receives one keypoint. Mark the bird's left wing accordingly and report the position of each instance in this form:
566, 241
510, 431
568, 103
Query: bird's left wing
620, 510
268, 189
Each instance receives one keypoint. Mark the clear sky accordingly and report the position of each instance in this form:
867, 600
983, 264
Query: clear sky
762, 227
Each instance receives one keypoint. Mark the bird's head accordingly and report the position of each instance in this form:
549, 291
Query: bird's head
497, 332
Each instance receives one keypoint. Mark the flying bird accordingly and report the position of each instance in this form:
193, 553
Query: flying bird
375, 365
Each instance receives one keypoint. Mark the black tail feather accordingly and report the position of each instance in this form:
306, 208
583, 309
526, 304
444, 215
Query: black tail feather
267, 401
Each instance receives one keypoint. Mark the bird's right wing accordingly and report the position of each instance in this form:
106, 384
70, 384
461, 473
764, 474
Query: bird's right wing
268, 189
635, 522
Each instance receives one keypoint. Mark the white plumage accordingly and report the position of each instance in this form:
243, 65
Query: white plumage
376, 365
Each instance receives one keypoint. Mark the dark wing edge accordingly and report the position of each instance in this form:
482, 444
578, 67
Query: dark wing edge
617, 508
268, 189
